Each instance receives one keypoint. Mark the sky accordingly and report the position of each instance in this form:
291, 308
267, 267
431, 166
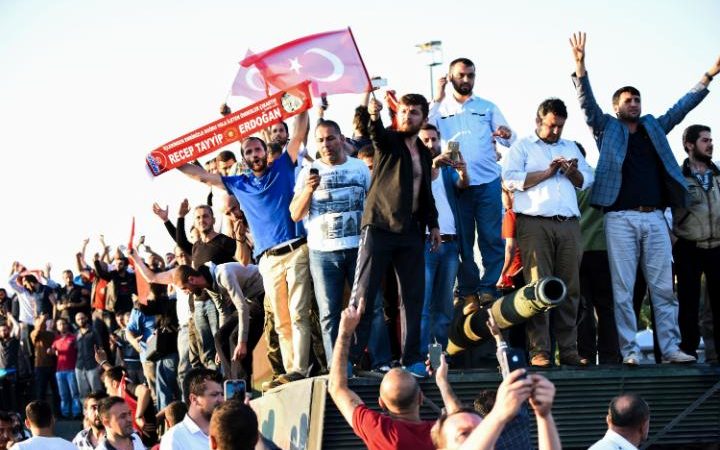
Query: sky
88, 88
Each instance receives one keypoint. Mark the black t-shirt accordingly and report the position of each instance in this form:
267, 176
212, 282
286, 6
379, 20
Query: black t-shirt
74, 296
642, 175
9, 351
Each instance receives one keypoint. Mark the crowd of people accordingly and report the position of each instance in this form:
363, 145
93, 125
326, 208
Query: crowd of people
375, 237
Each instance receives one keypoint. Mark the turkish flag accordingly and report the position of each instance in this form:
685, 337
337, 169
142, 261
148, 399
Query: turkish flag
249, 83
330, 60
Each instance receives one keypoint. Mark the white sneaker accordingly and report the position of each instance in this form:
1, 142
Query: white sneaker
632, 359
678, 357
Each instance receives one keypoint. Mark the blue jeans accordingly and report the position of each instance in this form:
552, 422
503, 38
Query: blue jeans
166, 382
642, 237
206, 323
330, 271
67, 385
441, 268
481, 208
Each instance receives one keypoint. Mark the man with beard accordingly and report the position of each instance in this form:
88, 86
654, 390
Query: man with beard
475, 123
239, 290
265, 194
123, 282
72, 299
91, 436
86, 369
637, 177
137, 397
449, 176
117, 421
398, 210
544, 171
205, 393
697, 228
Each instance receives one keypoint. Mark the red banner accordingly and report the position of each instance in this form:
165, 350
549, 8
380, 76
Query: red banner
231, 128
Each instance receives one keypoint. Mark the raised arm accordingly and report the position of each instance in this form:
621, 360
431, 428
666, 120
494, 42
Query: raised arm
378, 135
180, 237
450, 400
197, 173
150, 276
679, 110
345, 399
543, 395
594, 116
299, 133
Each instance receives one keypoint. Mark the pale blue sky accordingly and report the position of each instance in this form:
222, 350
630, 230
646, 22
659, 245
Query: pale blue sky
88, 88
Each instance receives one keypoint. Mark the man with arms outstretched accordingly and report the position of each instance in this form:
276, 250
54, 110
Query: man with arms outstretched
637, 177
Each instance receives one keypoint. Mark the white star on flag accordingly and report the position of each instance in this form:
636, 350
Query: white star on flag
295, 65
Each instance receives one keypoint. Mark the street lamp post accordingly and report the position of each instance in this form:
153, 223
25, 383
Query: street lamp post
434, 51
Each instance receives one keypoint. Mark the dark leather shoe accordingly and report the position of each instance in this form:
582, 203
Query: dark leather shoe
573, 360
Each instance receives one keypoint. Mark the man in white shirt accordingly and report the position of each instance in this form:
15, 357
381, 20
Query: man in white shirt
628, 422
205, 393
475, 123
41, 422
544, 171
118, 422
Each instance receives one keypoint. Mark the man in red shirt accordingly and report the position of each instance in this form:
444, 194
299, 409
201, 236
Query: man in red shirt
65, 348
400, 397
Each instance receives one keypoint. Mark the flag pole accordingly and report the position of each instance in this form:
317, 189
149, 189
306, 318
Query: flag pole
352, 36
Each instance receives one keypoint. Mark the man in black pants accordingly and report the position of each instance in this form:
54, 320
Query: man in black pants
398, 209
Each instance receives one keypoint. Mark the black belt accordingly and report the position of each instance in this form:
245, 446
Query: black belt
285, 248
444, 238
556, 218
645, 209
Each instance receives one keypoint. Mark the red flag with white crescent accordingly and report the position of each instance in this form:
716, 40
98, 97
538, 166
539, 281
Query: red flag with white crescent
331, 61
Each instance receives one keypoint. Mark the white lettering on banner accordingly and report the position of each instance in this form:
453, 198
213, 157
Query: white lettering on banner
181, 155
260, 121
209, 143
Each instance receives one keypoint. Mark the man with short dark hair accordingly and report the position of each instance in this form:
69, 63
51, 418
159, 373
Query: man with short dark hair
475, 123
398, 209
330, 196
90, 437
205, 393
138, 399
449, 176
40, 421
123, 282
234, 426
628, 422
637, 178
9, 354
264, 194
697, 249
544, 172
117, 419
239, 290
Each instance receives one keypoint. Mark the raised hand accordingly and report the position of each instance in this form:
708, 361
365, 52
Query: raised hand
440, 84
161, 213
184, 208
577, 42
374, 107
503, 132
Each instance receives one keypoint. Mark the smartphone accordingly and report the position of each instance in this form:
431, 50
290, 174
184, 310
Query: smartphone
454, 148
235, 389
314, 171
378, 82
512, 359
435, 352
323, 101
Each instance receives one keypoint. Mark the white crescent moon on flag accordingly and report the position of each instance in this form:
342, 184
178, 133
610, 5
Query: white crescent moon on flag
338, 66
249, 79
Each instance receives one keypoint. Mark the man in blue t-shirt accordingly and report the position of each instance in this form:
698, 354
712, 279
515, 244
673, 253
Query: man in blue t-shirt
264, 195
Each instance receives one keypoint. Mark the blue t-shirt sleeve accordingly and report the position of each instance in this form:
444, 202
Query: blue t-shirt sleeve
133, 324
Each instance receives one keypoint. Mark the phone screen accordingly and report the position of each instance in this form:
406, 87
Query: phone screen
434, 352
235, 389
